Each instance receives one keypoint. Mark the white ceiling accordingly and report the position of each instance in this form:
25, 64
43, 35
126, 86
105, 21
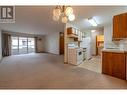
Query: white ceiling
38, 19
102, 14
34, 20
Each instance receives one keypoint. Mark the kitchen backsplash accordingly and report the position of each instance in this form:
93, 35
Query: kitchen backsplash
122, 44
112, 44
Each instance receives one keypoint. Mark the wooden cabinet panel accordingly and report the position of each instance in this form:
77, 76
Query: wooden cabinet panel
120, 26
116, 27
74, 33
124, 24
119, 65
106, 63
114, 64
70, 30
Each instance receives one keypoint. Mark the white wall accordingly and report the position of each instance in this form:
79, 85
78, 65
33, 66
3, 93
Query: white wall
93, 42
52, 43
40, 44
0, 46
108, 34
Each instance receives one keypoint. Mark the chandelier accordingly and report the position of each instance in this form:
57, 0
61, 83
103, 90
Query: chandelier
63, 13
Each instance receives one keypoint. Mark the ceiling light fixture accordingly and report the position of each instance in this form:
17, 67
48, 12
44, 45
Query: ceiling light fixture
92, 21
65, 13
93, 31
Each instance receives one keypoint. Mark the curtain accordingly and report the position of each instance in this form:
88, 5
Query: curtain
36, 44
6, 44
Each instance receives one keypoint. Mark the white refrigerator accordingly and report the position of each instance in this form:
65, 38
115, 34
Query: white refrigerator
86, 43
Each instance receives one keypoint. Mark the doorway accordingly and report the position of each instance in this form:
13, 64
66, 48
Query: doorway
96, 44
99, 44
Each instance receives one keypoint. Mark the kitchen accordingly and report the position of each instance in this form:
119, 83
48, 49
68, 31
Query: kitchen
82, 48
114, 58
111, 52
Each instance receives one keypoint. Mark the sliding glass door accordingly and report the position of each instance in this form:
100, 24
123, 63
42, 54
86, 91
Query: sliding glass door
31, 45
22, 45
14, 45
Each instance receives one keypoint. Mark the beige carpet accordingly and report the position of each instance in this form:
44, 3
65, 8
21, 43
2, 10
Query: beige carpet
94, 64
41, 71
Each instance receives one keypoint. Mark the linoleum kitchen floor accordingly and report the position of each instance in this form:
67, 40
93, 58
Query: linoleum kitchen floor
43, 71
93, 64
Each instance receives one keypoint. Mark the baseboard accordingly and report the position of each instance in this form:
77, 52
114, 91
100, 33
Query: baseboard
41, 52
52, 53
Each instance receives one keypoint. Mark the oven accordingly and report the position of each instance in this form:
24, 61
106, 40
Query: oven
79, 55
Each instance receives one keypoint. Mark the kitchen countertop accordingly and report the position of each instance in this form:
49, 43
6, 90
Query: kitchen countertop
114, 50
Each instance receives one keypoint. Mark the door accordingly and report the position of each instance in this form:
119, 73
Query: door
61, 43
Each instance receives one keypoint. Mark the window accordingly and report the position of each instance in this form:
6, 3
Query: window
22, 45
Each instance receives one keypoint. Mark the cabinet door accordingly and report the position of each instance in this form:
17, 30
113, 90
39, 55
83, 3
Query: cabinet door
116, 26
119, 65
124, 24
120, 26
114, 64
107, 63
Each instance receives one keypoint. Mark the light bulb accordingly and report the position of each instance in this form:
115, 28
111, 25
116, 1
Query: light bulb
56, 12
71, 17
55, 18
64, 19
69, 11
